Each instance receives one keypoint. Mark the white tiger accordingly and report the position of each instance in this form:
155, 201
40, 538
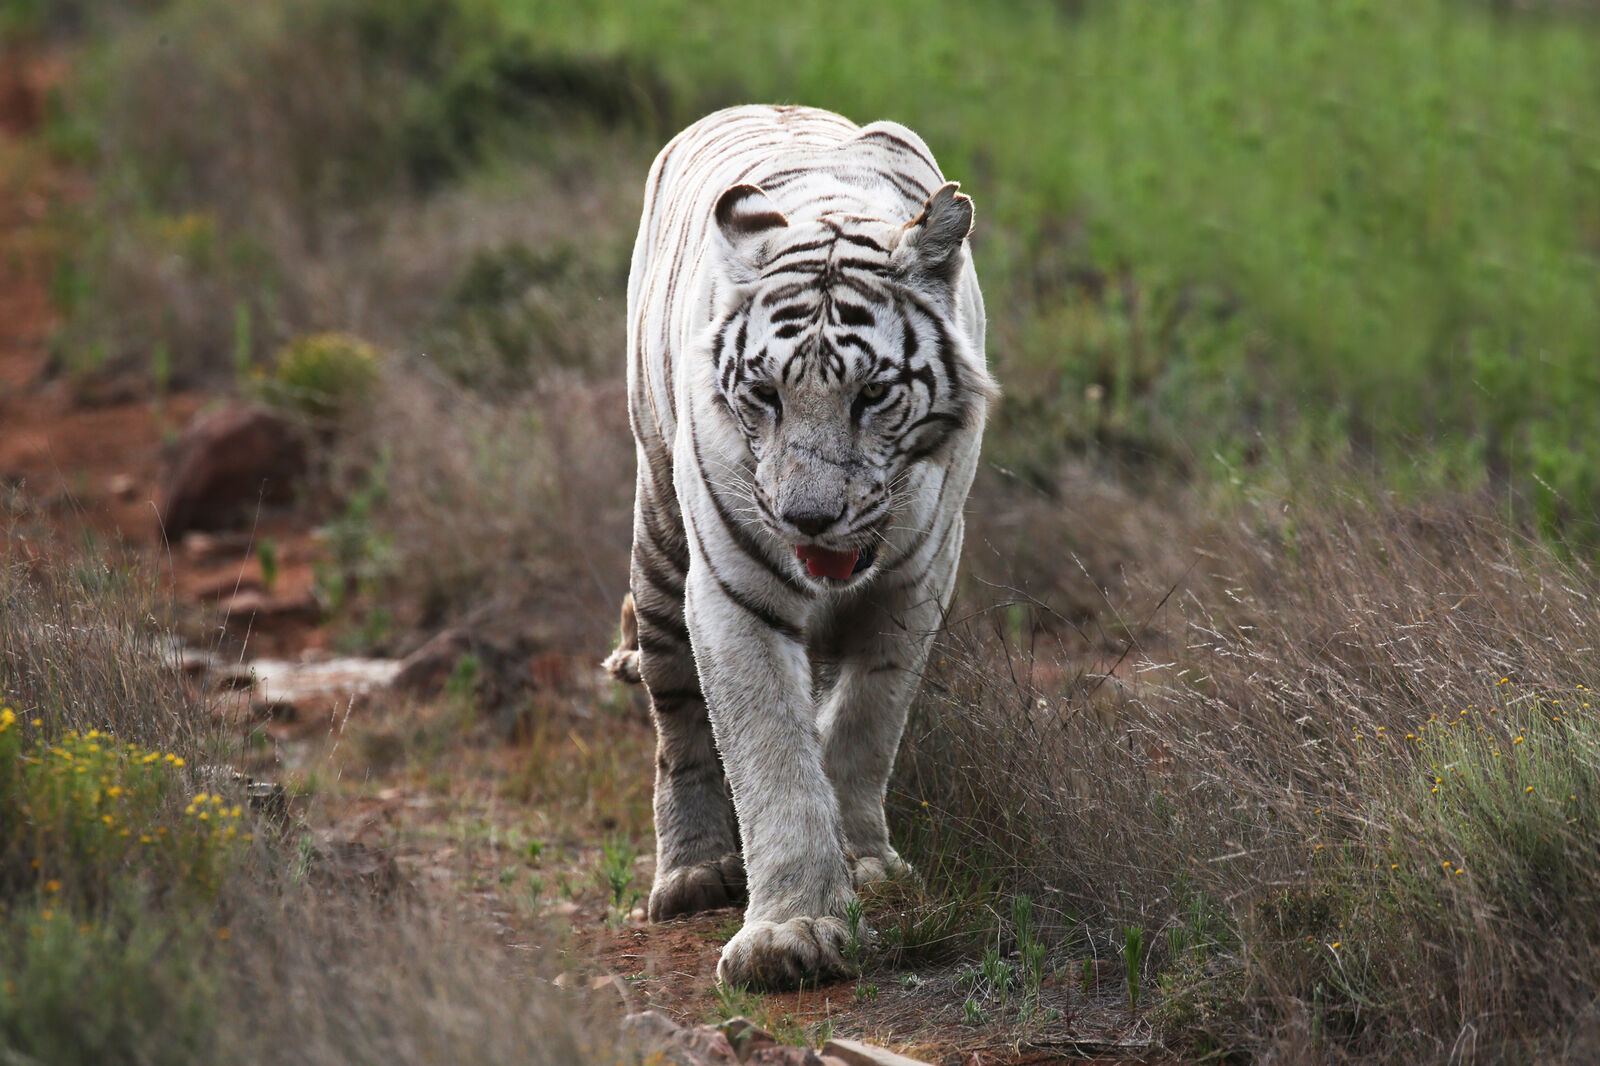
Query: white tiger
807, 389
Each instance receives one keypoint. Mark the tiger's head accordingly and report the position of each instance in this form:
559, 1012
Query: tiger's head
839, 356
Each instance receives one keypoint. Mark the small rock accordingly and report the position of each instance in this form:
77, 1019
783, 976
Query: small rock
254, 601
198, 545
747, 1037
123, 487
778, 1055
700, 1046
226, 465
856, 1053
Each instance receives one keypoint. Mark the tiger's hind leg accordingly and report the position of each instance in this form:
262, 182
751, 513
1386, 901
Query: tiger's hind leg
698, 864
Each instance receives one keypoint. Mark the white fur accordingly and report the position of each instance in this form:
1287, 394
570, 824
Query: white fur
807, 777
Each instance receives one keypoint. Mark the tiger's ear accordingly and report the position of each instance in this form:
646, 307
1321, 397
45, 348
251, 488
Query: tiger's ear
930, 244
748, 220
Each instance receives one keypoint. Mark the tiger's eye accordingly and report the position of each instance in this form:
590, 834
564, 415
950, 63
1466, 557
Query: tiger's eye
765, 393
874, 391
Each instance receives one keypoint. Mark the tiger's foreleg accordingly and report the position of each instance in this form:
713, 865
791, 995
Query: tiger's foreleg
698, 866
884, 639
757, 681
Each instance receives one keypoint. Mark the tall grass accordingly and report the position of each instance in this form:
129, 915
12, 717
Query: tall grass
1350, 790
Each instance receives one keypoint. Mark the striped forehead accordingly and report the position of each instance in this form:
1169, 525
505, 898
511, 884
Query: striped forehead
828, 258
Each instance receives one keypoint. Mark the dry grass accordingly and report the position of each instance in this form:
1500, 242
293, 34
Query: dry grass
510, 515
289, 957
1257, 792
78, 648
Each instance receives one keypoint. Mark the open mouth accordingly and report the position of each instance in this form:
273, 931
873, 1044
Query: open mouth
825, 562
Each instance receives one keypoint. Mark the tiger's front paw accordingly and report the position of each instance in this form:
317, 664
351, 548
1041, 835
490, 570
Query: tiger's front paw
702, 887
783, 954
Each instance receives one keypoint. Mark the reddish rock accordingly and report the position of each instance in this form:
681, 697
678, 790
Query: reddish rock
226, 465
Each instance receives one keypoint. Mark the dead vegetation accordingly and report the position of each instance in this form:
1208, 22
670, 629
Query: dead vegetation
1344, 787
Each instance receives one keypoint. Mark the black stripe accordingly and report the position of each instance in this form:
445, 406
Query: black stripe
661, 644
913, 192
781, 626
850, 262
796, 249
674, 697
651, 572
854, 315
670, 624
942, 345
804, 266
779, 179
675, 551
783, 314
864, 241
935, 417
903, 145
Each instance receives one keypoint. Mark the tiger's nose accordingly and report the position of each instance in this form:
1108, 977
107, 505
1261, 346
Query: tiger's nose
811, 522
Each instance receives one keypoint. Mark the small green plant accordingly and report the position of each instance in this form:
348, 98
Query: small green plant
1086, 978
305, 855
1133, 959
1030, 952
972, 1012
267, 556
616, 873
855, 944
461, 687
866, 993
731, 1001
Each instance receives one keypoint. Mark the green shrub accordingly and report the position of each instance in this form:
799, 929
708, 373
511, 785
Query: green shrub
123, 989
326, 375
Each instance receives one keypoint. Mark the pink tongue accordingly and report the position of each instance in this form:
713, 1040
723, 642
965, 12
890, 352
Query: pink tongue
824, 563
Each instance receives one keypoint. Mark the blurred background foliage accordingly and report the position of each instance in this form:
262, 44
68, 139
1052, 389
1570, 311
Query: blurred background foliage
1244, 239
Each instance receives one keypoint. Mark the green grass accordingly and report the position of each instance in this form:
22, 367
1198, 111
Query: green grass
1358, 230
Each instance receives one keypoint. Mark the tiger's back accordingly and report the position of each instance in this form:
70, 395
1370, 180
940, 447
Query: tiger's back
807, 390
